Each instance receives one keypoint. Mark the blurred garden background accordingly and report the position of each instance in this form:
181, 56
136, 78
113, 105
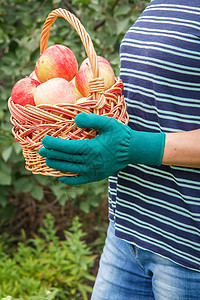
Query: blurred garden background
51, 234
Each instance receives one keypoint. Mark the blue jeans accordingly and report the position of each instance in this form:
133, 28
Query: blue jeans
127, 272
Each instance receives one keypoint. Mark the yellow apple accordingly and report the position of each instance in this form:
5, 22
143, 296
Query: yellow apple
54, 91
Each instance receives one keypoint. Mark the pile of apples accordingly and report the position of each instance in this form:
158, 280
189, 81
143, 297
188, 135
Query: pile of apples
57, 79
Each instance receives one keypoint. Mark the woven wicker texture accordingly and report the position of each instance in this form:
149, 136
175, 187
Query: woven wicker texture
32, 123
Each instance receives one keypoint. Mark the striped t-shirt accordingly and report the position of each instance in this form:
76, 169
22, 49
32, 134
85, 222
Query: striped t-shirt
158, 208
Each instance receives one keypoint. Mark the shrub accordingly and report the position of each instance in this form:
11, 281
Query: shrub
46, 267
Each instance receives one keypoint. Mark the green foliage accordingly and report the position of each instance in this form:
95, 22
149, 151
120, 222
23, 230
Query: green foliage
46, 268
20, 26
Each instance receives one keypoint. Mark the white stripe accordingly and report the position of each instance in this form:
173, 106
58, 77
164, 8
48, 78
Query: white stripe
113, 192
146, 124
173, 21
169, 175
178, 35
163, 114
180, 10
160, 97
185, 8
157, 230
157, 243
161, 64
161, 47
161, 80
159, 188
163, 219
187, 170
155, 202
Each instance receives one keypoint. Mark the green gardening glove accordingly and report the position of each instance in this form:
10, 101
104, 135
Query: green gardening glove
112, 150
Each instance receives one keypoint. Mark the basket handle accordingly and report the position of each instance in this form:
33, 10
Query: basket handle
97, 84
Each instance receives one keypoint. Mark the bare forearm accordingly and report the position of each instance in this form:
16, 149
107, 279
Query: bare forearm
182, 149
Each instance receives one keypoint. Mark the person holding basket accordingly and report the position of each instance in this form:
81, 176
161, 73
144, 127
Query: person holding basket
152, 249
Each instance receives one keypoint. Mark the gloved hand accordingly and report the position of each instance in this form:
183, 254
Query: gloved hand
95, 159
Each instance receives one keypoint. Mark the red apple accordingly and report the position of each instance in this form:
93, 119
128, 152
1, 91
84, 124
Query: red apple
55, 90
56, 61
85, 74
34, 76
23, 91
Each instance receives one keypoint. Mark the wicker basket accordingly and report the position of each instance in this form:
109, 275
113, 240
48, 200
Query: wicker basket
32, 123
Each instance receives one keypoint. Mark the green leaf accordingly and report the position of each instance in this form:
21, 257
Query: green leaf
111, 27
85, 206
4, 190
83, 291
89, 276
95, 202
84, 2
122, 10
17, 147
7, 153
5, 178
8, 213
122, 25
37, 192
63, 200
5, 174
27, 19
23, 185
44, 180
